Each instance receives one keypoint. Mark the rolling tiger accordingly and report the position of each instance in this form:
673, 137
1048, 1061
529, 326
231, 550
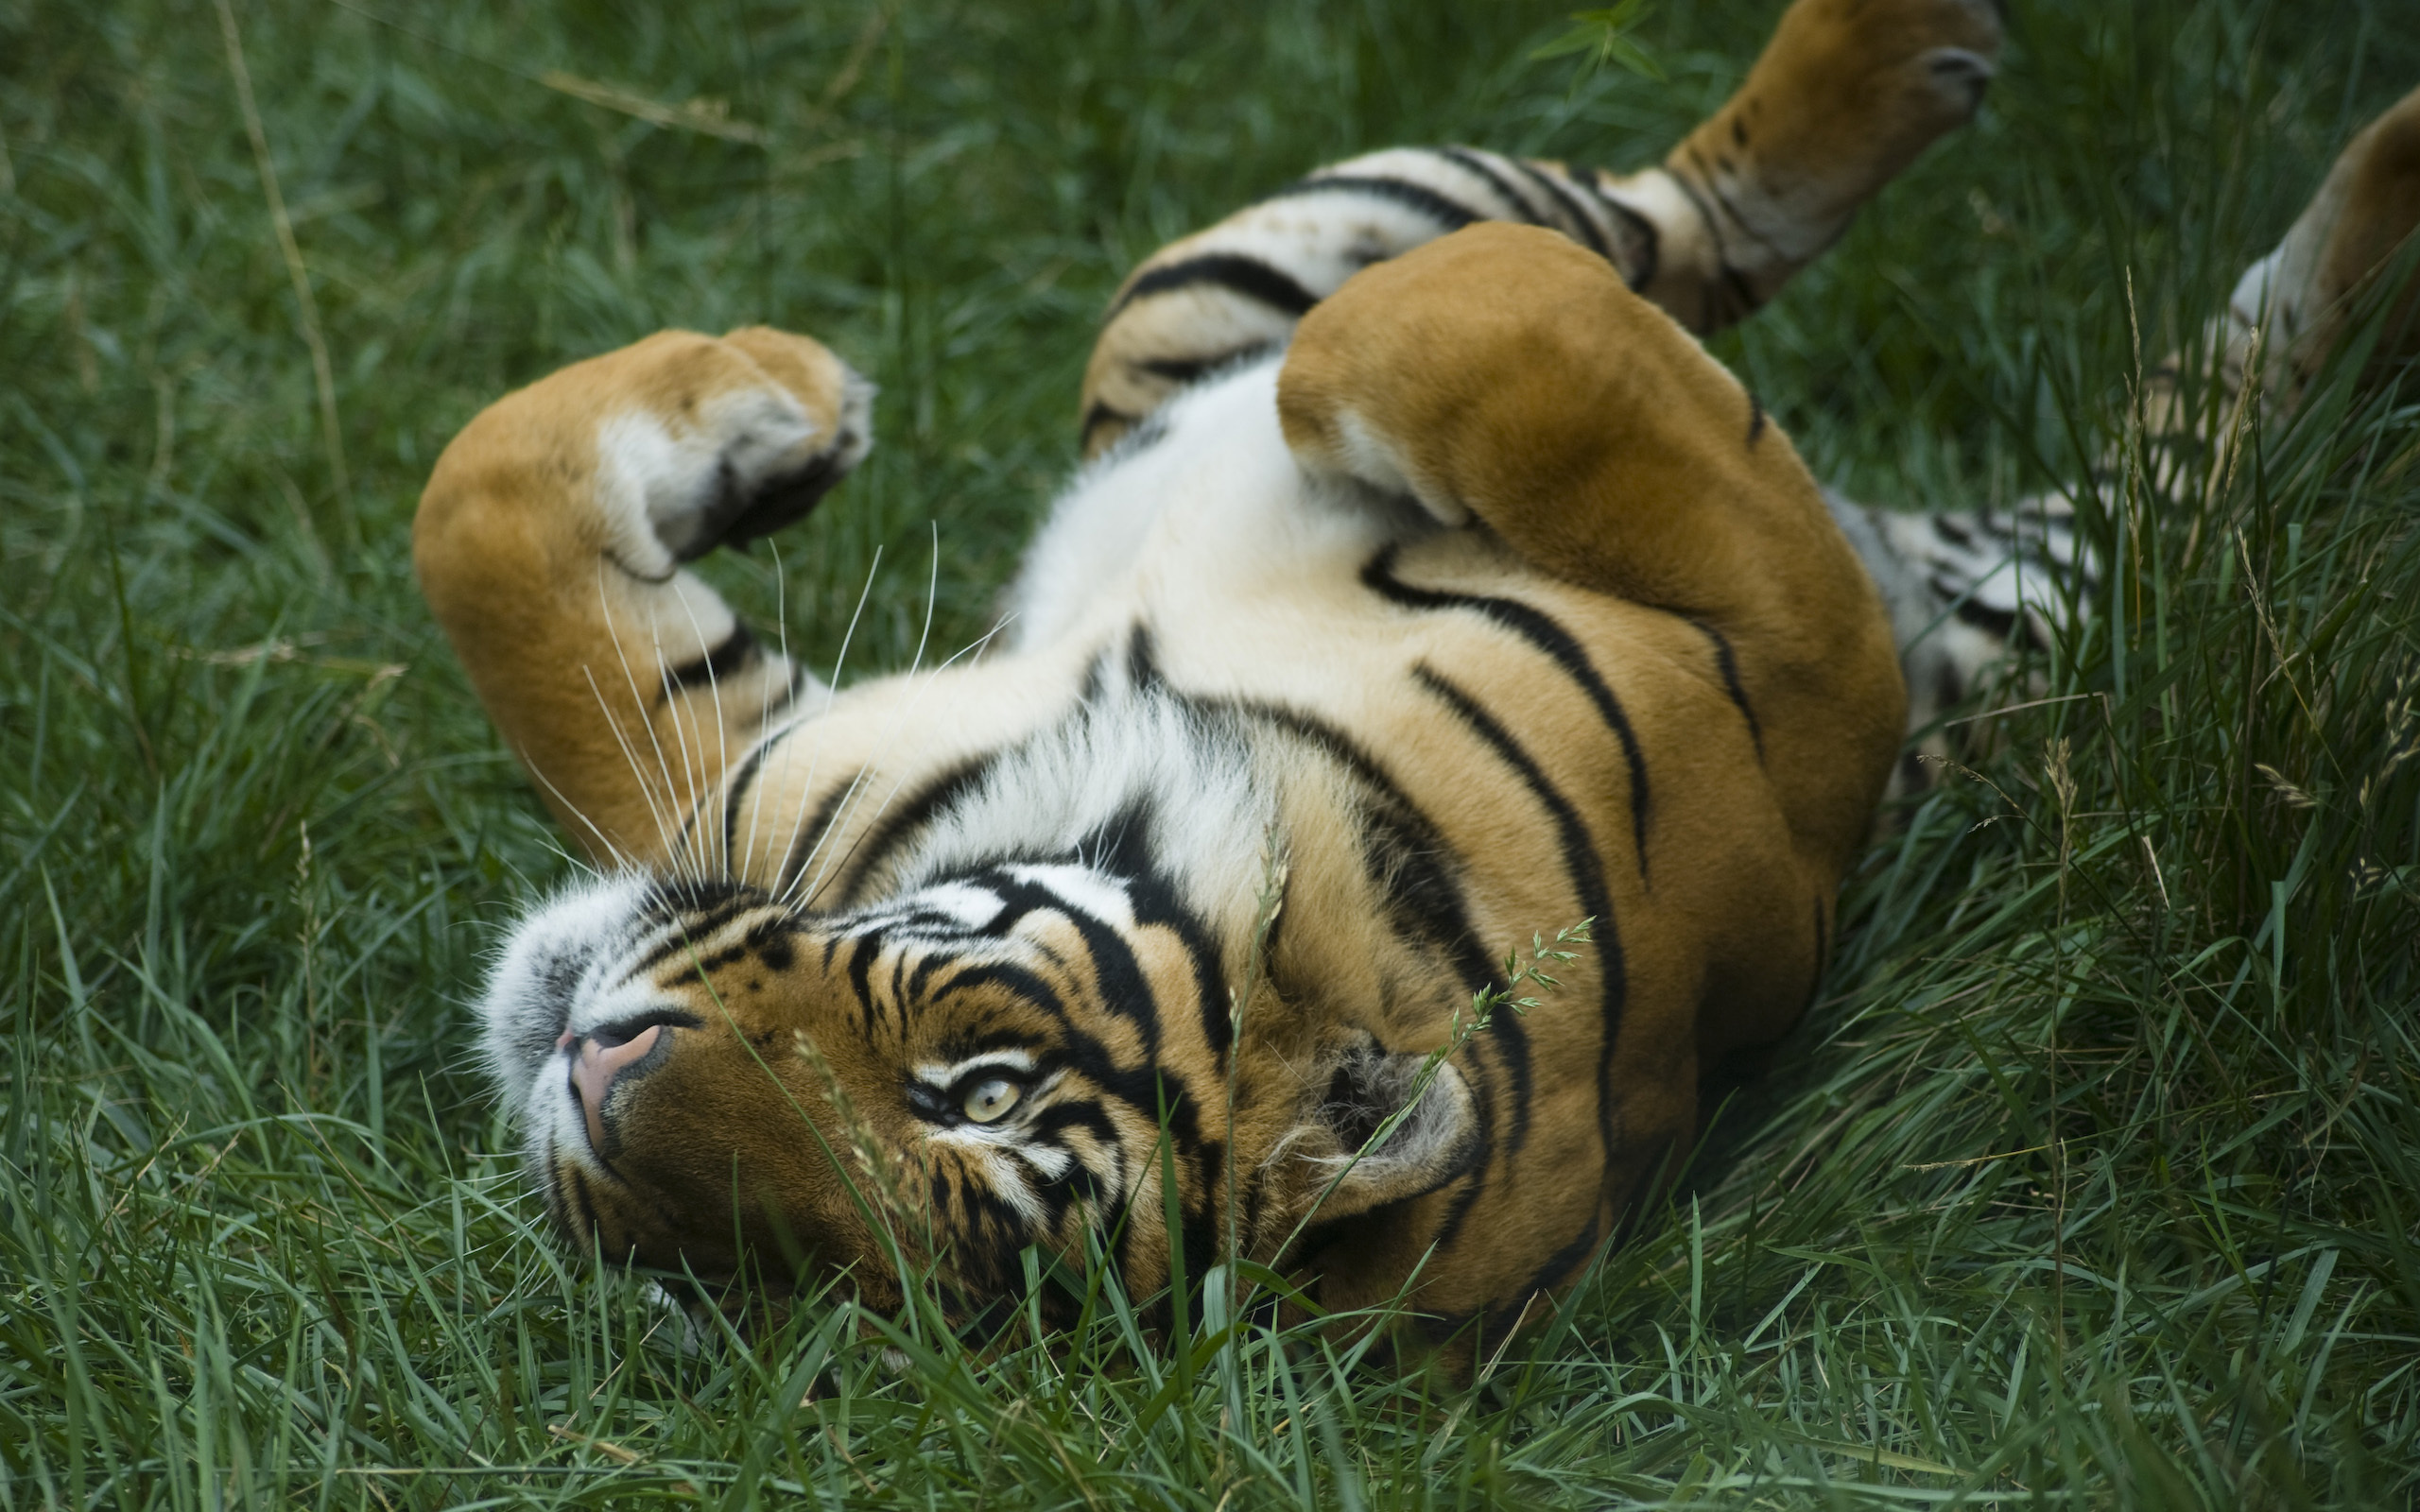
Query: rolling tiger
1428, 587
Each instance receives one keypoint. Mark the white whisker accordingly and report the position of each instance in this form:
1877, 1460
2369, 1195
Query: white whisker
620, 860
846, 806
679, 844
891, 730
698, 816
814, 756
932, 596
764, 711
613, 631
630, 756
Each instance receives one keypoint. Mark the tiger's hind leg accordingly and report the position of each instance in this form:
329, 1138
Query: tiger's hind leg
1965, 586
2293, 308
1845, 95
1504, 375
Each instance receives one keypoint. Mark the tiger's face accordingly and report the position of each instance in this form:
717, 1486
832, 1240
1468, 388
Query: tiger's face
1013, 1057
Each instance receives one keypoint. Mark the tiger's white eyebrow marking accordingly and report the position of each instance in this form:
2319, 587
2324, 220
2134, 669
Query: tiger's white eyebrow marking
941, 1075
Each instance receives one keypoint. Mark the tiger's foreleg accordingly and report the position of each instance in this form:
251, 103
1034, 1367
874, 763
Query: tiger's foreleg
550, 540
1845, 95
1505, 375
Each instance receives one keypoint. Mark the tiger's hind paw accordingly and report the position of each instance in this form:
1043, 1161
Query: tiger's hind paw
2296, 302
2381, 208
1847, 94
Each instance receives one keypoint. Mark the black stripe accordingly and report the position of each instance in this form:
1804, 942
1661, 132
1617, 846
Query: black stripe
1410, 866
1121, 848
1713, 183
1099, 416
1142, 660
738, 649
687, 932
1450, 213
934, 959
1016, 981
1563, 1262
1552, 1272
1998, 622
1729, 663
899, 999
1522, 210
1587, 873
1571, 207
1731, 278
1439, 900
1755, 422
1125, 990
903, 824
737, 785
804, 843
1232, 271
1182, 370
1647, 242
1559, 646
863, 950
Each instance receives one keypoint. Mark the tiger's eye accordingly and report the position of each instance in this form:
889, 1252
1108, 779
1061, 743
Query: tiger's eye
992, 1099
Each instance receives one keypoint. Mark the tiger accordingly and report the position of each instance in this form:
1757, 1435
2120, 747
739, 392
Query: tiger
1427, 587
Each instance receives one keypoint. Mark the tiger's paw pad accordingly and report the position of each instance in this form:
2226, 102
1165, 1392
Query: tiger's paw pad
728, 440
1850, 91
1938, 54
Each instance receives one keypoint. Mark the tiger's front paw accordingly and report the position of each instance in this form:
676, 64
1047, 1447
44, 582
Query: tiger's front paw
716, 442
662, 451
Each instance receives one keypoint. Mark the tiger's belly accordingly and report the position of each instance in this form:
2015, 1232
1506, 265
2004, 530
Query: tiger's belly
1584, 756
1459, 752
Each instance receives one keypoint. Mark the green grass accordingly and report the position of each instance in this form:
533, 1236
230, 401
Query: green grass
2094, 1179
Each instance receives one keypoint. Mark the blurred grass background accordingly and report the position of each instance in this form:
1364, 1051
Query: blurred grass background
2094, 1180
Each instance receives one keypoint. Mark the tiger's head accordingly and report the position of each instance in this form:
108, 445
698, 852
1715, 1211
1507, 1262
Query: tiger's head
709, 1080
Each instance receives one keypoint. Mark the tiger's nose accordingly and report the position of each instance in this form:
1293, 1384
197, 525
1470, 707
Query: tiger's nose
596, 1066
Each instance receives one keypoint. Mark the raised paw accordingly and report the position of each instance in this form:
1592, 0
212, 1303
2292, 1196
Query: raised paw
2375, 186
2291, 309
1506, 374
674, 445
1843, 97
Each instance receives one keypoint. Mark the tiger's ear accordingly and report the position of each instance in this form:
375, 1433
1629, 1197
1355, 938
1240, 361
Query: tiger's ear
1434, 1139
